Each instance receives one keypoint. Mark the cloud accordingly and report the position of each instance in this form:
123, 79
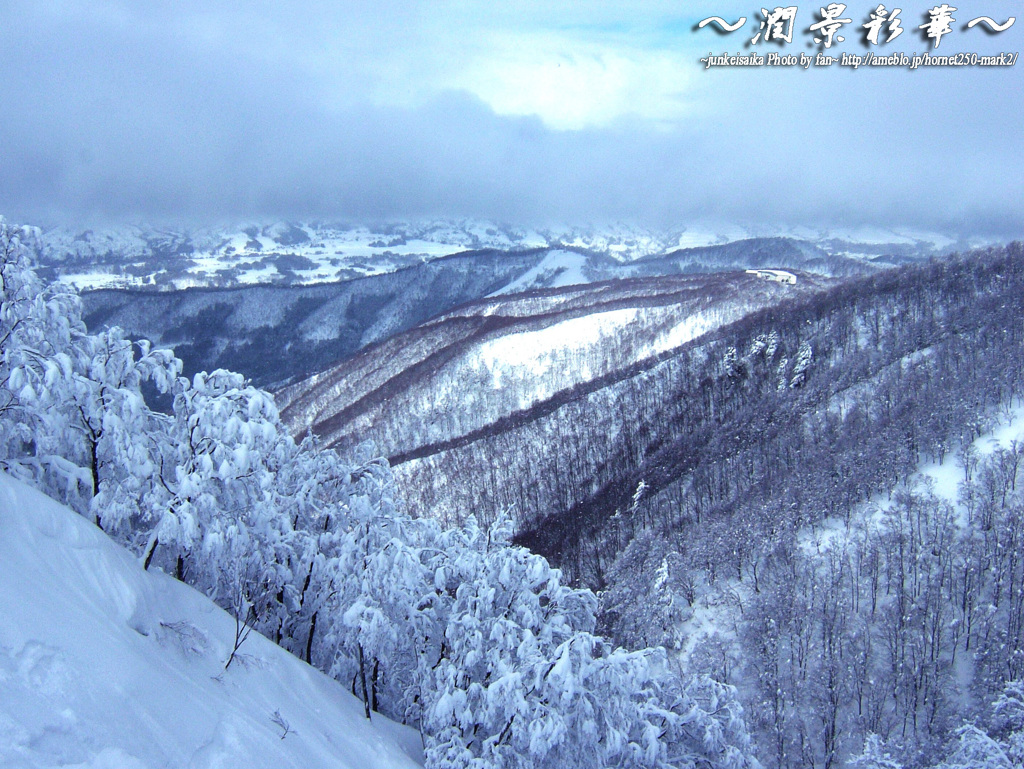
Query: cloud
573, 84
374, 111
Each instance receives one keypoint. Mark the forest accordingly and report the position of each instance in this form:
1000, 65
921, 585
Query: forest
761, 477
856, 605
474, 641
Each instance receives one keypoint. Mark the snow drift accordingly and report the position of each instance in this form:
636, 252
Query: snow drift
105, 665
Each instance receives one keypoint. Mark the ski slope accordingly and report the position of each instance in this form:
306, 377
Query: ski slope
105, 666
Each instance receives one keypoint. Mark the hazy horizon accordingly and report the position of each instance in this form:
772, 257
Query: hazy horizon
367, 112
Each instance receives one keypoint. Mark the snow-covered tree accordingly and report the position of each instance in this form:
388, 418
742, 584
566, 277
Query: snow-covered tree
477, 641
523, 681
976, 750
804, 356
119, 434
875, 756
38, 329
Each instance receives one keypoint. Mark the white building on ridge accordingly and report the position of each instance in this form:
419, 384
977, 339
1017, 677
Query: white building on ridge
779, 276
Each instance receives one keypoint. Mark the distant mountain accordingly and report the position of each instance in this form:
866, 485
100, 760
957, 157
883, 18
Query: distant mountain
279, 333
273, 334
283, 253
303, 253
753, 253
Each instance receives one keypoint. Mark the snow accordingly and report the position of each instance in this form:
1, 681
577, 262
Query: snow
947, 476
239, 254
236, 253
943, 480
557, 269
879, 236
105, 665
684, 331
716, 615
706, 234
536, 352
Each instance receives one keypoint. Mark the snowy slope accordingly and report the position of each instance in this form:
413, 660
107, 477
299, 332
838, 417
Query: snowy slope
718, 615
103, 665
946, 477
557, 269
463, 373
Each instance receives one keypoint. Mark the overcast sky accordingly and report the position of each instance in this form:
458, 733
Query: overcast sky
521, 111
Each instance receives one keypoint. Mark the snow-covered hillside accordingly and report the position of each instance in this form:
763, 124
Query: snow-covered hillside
464, 371
306, 253
259, 254
558, 268
106, 666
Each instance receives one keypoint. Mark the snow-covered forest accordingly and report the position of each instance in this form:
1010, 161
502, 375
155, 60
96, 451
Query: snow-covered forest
475, 642
793, 549
786, 592
392, 384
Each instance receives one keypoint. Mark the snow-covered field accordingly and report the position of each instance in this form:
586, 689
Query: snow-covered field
106, 666
530, 355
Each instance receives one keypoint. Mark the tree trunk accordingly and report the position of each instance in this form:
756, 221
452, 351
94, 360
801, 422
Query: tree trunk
362, 682
309, 639
373, 685
150, 551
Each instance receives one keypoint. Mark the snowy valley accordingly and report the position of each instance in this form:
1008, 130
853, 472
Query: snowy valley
543, 507
511, 385
474, 642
